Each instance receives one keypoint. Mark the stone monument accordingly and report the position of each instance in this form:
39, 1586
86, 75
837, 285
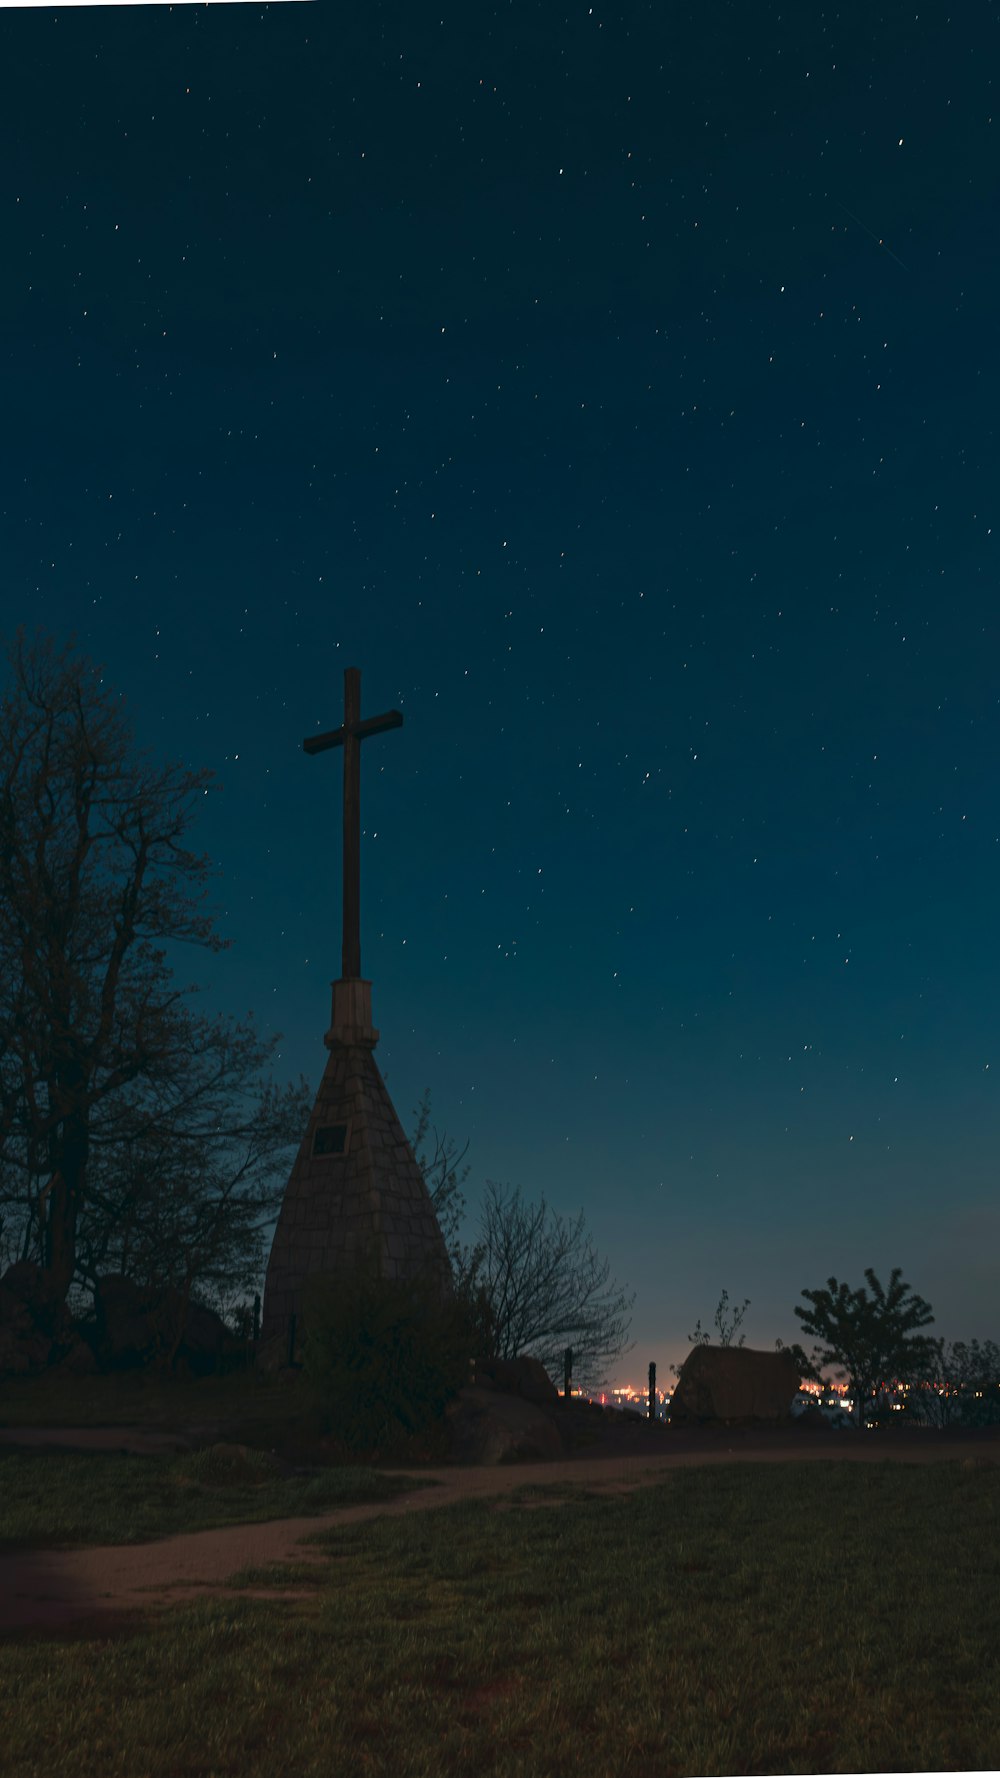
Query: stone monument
727, 1384
355, 1184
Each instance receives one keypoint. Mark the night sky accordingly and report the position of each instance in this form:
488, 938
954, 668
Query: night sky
616, 388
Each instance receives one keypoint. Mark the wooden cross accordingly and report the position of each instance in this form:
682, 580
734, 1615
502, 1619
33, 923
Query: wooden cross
350, 737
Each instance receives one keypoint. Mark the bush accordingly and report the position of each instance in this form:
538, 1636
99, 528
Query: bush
956, 1385
384, 1356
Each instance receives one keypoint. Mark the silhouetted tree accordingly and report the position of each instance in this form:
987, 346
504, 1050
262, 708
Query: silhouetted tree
546, 1288
872, 1339
803, 1363
117, 1102
955, 1385
532, 1281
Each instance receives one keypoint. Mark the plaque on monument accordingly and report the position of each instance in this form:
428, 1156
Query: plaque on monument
331, 1139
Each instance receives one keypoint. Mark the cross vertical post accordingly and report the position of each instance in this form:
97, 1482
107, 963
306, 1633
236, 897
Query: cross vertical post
350, 964
350, 736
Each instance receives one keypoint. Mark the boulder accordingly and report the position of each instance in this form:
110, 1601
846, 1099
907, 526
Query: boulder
489, 1427
136, 1327
526, 1377
23, 1347
726, 1384
33, 1287
131, 1327
36, 1328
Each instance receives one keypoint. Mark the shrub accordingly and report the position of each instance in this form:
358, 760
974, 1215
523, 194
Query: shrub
957, 1385
384, 1356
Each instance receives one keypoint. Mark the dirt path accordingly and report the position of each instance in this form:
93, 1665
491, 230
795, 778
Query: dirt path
116, 1588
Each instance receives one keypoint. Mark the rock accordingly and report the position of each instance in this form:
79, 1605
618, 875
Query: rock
131, 1327
33, 1286
36, 1327
489, 1427
526, 1377
722, 1384
136, 1327
22, 1347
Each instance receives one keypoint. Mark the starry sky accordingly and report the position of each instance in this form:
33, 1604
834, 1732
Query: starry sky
616, 387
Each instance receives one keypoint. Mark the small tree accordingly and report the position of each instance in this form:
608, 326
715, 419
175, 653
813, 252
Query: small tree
873, 1340
526, 1271
726, 1331
547, 1288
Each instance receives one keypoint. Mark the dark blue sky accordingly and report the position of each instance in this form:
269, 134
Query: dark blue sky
616, 388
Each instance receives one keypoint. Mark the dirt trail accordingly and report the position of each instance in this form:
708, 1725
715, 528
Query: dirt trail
116, 1588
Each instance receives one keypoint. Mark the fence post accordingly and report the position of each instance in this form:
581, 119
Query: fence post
291, 1338
652, 1392
256, 1316
567, 1371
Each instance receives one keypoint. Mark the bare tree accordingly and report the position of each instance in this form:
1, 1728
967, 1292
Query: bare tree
115, 1099
547, 1288
873, 1340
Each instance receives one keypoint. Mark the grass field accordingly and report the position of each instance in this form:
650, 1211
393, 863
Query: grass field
67, 1499
749, 1618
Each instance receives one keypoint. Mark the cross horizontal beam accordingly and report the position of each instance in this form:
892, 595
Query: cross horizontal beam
350, 735
372, 725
